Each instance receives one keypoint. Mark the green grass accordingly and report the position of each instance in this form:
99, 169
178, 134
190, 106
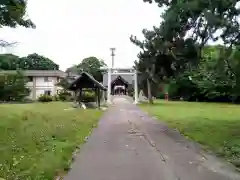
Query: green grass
216, 126
37, 140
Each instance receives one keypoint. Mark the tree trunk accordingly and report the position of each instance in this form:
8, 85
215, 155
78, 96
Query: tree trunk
150, 99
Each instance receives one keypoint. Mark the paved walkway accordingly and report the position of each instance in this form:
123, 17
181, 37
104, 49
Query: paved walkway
129, 145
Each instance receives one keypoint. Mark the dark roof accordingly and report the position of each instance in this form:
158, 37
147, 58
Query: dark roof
121, 79
85, 80
127, 77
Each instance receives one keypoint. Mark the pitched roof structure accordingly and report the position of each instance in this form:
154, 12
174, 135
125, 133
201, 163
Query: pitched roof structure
128, 78
121, 79
85, 80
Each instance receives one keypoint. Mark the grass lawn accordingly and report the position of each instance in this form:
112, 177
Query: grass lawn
37, 140
217, 126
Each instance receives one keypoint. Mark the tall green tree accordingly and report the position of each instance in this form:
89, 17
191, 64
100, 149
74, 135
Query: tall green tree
186, 28
160, 59
13, 13
202, 21
91, 65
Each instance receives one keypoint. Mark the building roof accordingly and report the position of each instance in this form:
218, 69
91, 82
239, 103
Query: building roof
120, 79
85, 80
42, 73
127, 77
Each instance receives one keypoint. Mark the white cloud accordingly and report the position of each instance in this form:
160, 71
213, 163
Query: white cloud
68, 31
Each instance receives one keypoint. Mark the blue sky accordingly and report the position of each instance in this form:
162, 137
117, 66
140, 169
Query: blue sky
70, 30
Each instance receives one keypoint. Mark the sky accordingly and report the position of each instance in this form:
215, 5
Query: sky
70, 30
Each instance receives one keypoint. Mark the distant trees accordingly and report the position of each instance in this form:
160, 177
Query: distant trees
12, 85
91, 65
30, 62
37, 62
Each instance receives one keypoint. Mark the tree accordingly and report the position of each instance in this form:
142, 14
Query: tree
64, 83
12, 87
186, 28
91, 65
201, 21
73, 69
37, 62
13, 13
215, 79
30, 62
160, 59
147, 60
8, 62
210, 80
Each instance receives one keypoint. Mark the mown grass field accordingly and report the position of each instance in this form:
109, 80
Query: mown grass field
37, 140
216, 126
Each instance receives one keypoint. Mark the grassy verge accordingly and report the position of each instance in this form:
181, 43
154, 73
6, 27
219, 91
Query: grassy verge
217, 126
37, 140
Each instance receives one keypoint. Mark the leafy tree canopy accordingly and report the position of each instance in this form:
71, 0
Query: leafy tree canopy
13, 13
37, 62
30, 62
73, 69
176, 46
91, 65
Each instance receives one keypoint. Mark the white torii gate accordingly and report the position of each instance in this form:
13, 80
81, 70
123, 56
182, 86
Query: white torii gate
111, 71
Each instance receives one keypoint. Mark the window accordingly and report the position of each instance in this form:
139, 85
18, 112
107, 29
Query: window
46, 79
30, 78
58, 79
47, 93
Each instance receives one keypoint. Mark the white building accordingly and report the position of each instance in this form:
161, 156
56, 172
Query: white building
42, 81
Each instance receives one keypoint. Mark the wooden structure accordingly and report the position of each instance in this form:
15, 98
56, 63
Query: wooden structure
119, 86
86, 81
130, 72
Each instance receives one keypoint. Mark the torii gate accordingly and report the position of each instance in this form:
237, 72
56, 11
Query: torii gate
112, 71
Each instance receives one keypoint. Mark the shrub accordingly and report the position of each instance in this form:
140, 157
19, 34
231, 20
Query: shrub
88, 96
45, 98
12, 87
64, 95
56, 98
161, 95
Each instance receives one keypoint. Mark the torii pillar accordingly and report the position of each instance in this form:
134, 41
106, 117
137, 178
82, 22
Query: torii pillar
109, 86
135, 87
